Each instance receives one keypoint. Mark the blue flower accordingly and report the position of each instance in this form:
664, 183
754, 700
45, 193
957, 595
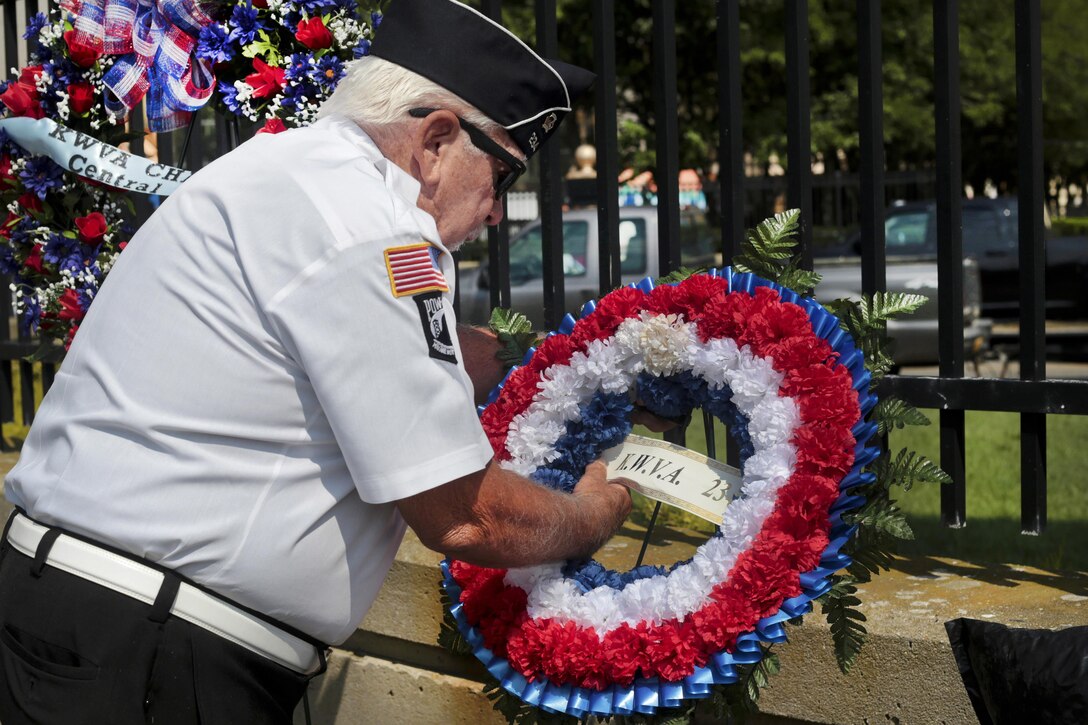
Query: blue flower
34, 26
299, 66
32, 314
375, 18
229, 95
59, 248
244, 25
41, 175
361, 48
328, 72
214, 45
295, 91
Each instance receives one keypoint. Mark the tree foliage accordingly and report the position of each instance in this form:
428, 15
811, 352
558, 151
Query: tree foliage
987, 81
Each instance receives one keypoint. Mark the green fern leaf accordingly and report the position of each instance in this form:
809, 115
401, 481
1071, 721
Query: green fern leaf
908, 468
895, 413
678, 275
847, 632
515, 334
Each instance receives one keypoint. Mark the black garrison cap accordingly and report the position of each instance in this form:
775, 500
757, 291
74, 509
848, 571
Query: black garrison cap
477, 59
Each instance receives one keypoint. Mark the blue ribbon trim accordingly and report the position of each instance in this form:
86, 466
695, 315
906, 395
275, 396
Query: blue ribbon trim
646, 695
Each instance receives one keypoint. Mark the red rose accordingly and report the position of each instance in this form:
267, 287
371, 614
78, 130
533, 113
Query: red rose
82, 54
267, 81
313, 34
92, 227
80, 97
20, 102
273, 125
5, 168
70, 306
70, 336
30, 202
28, 78
5, 228
260, 3
34, 259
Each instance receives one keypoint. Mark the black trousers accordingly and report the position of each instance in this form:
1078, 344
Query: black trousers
74, 652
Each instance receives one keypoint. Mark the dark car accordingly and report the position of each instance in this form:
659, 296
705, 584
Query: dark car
990, 233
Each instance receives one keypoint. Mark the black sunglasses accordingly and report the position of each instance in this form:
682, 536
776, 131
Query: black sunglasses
486, 144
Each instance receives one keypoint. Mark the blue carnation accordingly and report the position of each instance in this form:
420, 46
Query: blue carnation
42, 175
554, 478
214, 44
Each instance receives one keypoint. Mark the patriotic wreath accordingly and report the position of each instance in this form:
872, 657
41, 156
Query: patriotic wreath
580, 639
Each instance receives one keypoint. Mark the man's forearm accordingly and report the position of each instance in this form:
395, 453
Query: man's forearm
497, 518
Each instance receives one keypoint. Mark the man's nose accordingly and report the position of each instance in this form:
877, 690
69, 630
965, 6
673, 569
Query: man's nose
495, 215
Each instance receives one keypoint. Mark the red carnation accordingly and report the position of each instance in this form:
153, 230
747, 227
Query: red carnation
267, 81
82, 54
313, 34
20, 102
80, 97
92, 228
273, 125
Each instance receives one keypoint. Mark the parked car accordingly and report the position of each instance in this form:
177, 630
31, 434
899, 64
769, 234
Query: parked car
990, 234
915, 337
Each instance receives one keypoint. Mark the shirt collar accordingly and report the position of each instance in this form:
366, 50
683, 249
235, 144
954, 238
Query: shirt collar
397, 180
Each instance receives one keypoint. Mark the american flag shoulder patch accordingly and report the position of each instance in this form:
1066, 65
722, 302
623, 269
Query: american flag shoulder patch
414, 269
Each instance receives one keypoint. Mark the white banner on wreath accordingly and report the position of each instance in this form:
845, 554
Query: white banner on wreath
93, 159
675, 475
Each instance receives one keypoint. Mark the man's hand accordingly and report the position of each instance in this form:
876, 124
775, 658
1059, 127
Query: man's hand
479, 351
612, 497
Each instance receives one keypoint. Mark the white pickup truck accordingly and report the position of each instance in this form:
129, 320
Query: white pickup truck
915, 337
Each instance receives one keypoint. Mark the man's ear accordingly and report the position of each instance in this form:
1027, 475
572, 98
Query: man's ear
432, 141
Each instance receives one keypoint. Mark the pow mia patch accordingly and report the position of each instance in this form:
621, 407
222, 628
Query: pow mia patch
432, 313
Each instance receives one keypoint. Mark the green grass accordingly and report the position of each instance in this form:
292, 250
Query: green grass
992, 533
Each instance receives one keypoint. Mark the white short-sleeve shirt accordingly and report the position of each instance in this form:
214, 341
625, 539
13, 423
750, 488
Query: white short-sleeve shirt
270, 365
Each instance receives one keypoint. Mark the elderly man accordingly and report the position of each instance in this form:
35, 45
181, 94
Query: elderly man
269, 387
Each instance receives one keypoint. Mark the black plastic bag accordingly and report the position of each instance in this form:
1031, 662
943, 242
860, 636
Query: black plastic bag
1022, 675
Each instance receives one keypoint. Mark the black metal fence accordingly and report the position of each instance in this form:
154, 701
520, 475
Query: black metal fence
1033, 396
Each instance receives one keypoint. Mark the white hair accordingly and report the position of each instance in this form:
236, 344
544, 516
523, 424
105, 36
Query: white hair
377, 94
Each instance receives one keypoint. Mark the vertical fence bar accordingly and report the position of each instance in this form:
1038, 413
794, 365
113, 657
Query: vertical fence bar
667, 173
950, 249
730, 136
871, 141
551, 190
799, 123
606, 135
1029, 107
498, 237
11, 37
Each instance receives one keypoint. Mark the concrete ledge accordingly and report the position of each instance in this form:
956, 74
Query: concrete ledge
905, 674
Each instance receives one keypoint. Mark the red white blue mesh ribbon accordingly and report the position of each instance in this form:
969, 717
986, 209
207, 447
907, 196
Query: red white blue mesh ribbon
156, 40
